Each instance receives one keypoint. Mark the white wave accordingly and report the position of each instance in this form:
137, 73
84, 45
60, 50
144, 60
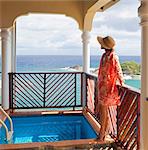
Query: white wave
127, 77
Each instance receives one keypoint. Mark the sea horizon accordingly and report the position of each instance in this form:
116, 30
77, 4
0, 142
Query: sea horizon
47, 63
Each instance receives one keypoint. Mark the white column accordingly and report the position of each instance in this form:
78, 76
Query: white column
86, 51
6, 61
13, 48
143, 13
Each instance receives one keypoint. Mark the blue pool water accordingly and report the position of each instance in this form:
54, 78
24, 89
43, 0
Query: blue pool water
49, 128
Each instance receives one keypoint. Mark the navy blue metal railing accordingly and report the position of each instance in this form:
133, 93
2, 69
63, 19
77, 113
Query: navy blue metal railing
45, 90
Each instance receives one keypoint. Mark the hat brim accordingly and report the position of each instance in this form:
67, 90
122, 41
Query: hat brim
103, 45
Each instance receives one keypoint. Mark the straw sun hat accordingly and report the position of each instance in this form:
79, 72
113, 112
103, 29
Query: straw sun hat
106, 42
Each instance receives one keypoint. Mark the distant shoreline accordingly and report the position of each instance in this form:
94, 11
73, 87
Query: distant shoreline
95, 72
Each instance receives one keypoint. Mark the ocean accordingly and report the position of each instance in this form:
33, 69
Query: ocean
45, 63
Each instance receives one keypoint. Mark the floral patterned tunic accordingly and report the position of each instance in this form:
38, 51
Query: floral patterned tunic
109, 74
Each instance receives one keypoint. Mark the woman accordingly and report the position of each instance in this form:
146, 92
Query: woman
109, 74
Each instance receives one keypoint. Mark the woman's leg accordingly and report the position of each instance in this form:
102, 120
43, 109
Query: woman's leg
103, 120
106, 122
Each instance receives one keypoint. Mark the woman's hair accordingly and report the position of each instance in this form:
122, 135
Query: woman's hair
110, 50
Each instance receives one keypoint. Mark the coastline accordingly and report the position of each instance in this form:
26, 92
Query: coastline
133, 81
95, 72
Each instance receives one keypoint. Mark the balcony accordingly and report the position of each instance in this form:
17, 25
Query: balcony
73, 91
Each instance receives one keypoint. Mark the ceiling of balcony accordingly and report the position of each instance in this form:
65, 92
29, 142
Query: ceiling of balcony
82, 11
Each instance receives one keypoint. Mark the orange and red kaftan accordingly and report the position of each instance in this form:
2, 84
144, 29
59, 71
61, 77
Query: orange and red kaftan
109, 73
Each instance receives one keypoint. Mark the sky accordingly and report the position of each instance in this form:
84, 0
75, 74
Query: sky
40, 34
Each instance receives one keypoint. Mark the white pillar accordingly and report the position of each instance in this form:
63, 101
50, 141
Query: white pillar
143, 13
86, 51
6, 61
13, 48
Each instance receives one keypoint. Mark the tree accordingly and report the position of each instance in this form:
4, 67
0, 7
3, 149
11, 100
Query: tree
130, 67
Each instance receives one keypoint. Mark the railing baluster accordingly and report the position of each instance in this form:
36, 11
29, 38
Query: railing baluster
75, 91
82, 96
11, 90
138, 122
44, 93
117, 122
86, 96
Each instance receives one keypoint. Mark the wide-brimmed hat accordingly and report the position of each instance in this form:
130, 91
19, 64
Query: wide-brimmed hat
106, 42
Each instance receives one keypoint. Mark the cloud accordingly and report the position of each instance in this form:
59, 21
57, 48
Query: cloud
125, 8
122, 16
59, 35
126, 24
44, 22
126, 42
121, 22
47, 32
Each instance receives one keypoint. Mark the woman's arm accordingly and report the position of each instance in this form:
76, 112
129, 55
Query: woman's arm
118, 70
